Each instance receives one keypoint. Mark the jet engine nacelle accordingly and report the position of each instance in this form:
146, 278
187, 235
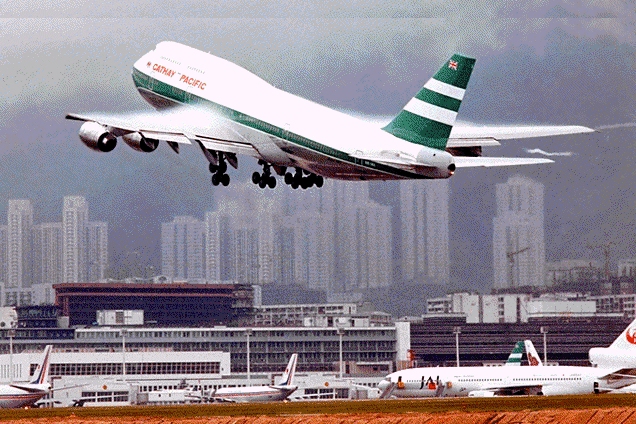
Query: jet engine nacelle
140, 143
442, 163
97, 137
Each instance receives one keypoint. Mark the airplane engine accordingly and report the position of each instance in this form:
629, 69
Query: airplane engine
140, 143
556, 390
96, 137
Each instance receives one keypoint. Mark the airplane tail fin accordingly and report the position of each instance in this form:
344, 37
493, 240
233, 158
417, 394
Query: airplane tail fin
288, 375
515, 356
41, 374
627, 339
533, 356
428, 118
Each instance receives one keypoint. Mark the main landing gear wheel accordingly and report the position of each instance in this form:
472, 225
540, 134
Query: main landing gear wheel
304, 179
266, 179
219, 175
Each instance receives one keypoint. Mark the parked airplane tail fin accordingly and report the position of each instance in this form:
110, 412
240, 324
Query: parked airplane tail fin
515, 356
41, 374
428, 118
533, 356
288, 375
627, 339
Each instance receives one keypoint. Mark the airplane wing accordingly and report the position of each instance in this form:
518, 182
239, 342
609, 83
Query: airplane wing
193, 126
488, 162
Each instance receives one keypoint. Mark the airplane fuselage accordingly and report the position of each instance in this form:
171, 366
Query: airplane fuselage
285, 129
494, 381
15, 397
252, 394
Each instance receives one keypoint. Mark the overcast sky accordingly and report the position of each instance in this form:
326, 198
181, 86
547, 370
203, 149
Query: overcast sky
559, 62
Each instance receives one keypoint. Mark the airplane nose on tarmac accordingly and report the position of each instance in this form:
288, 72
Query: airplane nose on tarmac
383, 385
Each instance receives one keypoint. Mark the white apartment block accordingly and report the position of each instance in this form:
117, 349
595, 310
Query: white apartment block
4, 255
518, 239
182, 249
425, 243
19, 244
627, 267
48, 248
97, 250
74, 255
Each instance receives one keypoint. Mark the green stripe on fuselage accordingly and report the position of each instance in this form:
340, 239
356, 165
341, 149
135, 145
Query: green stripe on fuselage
142, 80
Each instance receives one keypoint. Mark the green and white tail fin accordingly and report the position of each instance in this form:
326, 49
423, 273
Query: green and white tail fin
533, 357
428, 118
515, 356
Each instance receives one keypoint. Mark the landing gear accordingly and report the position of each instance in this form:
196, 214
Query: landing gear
303, 179
265, 179
219, 175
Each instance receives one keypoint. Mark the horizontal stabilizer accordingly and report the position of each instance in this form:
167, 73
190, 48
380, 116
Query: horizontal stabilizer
485, 162
511, 132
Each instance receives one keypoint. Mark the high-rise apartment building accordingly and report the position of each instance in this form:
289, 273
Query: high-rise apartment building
425, 256
74, 252
97, 250
182, 249
19, 244
4, 258
518, 239
48, 246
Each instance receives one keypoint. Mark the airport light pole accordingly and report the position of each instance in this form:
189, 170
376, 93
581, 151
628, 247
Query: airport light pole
457, 331
544, 331
248, 333
124, 333
340, 332
11, 334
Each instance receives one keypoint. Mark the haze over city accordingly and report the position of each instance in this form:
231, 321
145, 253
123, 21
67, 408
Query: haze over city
554, 63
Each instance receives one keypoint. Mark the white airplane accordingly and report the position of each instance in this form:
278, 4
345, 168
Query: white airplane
499, 381
19, 395
228, 111
621, 353
276, 392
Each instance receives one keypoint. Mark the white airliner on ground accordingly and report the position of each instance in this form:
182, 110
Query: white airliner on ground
228, 111
500, 381
276, 392
19, 395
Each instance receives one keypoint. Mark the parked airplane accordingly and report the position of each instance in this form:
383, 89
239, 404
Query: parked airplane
621, 353
514, 359
487, 381
276, 392
226, 110
531, 353
19, 395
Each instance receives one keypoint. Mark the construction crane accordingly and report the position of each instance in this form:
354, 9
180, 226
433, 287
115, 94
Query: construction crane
606, 253
511, 261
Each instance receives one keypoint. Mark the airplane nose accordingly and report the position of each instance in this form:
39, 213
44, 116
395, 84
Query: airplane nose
383, 385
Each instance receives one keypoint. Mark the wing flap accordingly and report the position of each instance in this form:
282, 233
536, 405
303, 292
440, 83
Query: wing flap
488, 162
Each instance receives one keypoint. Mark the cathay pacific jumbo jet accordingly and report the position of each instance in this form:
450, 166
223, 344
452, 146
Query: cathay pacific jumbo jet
228, 111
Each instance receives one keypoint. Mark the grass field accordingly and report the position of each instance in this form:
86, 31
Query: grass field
499, 404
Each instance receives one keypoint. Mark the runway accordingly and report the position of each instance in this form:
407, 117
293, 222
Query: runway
535, 409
